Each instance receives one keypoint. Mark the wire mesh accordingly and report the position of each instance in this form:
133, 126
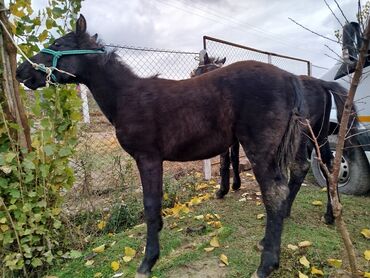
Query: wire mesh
234, 52
103, 171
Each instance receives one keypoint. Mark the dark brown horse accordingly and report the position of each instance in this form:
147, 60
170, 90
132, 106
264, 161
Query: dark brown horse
156, 119
318, 99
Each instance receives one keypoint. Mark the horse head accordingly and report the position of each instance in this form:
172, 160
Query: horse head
207, 64
61, 62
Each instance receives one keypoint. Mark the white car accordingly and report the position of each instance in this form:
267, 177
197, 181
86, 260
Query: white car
354, 177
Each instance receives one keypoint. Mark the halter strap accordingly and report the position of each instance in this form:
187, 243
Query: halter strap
58, 54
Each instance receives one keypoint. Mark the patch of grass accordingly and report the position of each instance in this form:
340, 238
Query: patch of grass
240, 232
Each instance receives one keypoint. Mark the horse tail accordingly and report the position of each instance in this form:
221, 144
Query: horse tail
291, 138
340, 95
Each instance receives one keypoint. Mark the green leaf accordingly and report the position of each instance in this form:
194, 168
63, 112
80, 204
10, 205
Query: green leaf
74, 254
43, 35
50, 23
49, 150
36, 262
10, 156
65, 151
28, 164
14, 193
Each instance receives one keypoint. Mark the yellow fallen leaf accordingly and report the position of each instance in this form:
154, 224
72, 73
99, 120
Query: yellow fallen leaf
366, 233
260, 216
201, 186
173, 225
258, 203
301, 275
127, 259
130, 252
98, 275
316, 271
211, 182
224, 259
89, 263
334, 263
367, 255
324, 189
317, 203
99, 249
292, 247
303, 261
165, 196
305, 243
199, 217
209, 249
216, 224
217, 216
242, 199
102, 224
367, 274
195, 201
214, 242
114, 265
208, 217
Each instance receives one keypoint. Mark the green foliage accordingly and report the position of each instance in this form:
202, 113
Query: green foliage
125, 215
31, 182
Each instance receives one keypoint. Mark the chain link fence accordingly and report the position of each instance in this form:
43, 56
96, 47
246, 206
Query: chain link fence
103, 171
235, 52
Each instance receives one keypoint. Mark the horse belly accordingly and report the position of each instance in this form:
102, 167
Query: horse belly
195, 148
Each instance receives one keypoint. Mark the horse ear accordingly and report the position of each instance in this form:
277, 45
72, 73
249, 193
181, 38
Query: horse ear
202, 54
81, 25
206, 59
222, 61
95, 37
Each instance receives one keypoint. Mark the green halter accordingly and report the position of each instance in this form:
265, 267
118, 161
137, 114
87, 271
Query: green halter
57, 54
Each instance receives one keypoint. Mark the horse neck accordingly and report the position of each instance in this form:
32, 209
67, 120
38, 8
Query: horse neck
107, 78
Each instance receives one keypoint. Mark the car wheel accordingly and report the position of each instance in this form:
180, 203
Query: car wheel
354, 174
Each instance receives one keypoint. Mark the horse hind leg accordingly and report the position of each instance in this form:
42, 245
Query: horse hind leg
225, 175
298, 171
275, 192
235, 163
326, 157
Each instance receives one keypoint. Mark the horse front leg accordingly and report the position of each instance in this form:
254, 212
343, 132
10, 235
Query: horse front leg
235, 163
225, 175
151, 174
274, 193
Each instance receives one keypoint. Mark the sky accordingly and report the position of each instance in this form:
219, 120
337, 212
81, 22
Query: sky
262, 24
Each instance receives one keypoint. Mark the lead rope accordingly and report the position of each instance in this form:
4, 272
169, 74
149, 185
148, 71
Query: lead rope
42, 67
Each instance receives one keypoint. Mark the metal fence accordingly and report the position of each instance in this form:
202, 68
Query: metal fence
100, 164
235, 52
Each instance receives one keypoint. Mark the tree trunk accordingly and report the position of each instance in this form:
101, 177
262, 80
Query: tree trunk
9, 94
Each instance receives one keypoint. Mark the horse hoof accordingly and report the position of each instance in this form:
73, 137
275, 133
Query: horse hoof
236, 186
329, 220
259, 246
141, 275
255, 275
220, 195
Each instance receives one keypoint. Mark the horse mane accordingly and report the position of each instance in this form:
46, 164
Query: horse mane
110, 60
